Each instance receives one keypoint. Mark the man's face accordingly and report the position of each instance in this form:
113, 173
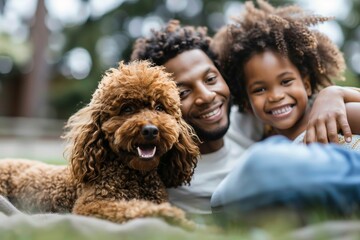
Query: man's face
203, 92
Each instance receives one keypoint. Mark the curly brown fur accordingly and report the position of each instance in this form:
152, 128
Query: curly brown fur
37, 187
284, 30
124, 148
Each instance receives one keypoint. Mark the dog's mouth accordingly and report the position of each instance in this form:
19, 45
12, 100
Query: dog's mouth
146, 151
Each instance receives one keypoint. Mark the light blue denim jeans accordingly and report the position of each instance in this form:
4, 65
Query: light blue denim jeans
277, 171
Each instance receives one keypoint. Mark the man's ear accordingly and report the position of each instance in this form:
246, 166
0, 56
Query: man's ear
307, 85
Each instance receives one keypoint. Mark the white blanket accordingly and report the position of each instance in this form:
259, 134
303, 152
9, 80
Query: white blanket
17, 225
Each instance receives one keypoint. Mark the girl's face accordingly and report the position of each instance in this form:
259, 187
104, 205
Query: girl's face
277, 93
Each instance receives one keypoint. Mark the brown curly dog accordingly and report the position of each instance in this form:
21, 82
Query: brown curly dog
124, 148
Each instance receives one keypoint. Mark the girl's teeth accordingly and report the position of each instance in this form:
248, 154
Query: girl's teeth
210, 113
281, 110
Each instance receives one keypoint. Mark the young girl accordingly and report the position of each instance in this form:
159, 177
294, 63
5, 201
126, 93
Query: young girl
274, 63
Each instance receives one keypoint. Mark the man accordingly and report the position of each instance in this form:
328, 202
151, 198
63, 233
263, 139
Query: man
205, 99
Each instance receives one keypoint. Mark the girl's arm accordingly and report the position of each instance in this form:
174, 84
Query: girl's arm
328, 114
353, 116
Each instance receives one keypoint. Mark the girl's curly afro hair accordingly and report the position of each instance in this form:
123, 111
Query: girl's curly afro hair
285, 30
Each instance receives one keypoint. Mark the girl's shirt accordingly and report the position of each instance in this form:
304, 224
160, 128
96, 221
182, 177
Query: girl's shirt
354, 144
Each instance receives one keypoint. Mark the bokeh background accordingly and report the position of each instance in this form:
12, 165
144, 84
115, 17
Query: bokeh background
54, 52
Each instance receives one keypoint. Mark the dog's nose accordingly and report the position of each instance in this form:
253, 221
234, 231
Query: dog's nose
149, 131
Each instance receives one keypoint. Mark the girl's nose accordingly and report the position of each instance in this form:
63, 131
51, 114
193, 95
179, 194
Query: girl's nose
275, 95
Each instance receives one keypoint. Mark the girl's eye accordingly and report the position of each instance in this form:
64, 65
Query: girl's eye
286, 81
259, 90
159, 108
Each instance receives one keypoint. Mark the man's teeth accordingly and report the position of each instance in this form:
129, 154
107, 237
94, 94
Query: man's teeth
283, 110
216, 111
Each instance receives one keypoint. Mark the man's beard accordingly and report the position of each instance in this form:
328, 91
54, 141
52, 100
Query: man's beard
213, 135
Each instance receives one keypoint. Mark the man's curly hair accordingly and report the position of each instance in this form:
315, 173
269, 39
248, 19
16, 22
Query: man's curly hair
168, 42
285, 30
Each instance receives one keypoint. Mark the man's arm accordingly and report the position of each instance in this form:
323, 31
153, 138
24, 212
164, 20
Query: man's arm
328, 114
355, 88
353, 116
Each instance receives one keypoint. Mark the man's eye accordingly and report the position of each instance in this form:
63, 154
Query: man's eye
159, 108
183, 93
211, 79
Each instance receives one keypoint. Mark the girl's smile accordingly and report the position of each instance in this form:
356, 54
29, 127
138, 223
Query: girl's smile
277, 93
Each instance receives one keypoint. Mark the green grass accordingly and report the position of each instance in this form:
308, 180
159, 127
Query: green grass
268, 224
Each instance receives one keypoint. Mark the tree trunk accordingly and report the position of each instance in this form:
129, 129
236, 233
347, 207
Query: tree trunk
35, 85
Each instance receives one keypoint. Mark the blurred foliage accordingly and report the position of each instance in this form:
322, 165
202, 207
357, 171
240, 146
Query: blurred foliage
67, 94
115, 22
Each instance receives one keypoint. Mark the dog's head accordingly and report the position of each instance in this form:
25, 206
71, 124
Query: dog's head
134, 117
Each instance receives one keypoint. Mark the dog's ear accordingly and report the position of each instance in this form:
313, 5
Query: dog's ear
177, 166
85, 146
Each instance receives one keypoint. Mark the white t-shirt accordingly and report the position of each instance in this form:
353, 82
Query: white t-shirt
212, 168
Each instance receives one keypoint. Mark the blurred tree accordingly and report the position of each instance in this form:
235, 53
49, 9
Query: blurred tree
68, 60
2, 5
124, 25
350, 27
35, 83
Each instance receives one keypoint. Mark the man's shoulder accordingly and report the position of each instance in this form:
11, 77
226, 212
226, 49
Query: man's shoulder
245, 128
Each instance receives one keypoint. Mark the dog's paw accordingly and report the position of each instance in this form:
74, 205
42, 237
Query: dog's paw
175, 216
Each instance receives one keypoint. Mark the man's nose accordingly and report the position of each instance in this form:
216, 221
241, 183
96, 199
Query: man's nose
204, 95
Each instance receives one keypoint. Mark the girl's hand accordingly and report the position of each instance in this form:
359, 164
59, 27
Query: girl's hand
328, 116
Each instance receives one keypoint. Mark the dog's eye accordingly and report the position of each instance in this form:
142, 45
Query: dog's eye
127, 109
159, 108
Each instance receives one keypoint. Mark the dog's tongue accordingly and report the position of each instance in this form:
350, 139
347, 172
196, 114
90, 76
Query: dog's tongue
146, 151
